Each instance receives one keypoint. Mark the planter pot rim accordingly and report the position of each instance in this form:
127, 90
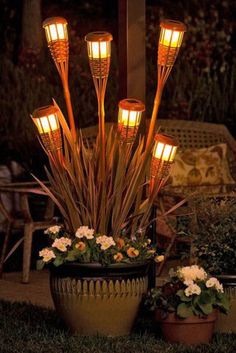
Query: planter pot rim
172, 318
86, 270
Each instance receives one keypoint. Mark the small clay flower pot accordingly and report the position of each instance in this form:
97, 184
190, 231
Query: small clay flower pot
191, 331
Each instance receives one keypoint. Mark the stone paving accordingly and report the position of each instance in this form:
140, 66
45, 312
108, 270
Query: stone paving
37, 292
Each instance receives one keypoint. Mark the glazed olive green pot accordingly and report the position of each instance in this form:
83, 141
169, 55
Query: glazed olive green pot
227, 323
93, 299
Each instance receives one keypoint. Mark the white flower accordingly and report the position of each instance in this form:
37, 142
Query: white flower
188, 282
84, 231
61, 243
47, 254
105, 242
191, 273
53, 230
192, 289
213, 282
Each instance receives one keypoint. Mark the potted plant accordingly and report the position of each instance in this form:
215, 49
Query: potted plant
214, 247
99, 274
104, 189
186, 306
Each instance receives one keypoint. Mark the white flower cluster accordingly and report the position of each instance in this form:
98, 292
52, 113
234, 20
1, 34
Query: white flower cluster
105, 242
192, 289
213, 282
84, 231
188, 274
47, 254
53, 230
61, 243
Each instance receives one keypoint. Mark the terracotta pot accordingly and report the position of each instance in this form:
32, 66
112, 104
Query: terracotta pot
93, 299
227, 323
193, 330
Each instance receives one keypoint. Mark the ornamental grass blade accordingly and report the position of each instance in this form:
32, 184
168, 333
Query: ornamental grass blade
50, 194
63, 124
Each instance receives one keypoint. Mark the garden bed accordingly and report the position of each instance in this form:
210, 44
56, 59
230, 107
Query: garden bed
27, 328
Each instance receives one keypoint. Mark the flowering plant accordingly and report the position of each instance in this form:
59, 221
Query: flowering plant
190, 291
108, 181
87, 246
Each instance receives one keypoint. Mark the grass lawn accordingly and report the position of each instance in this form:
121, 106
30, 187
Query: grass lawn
26, 328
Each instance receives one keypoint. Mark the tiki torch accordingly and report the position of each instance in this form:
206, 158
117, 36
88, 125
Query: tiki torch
170, 40
129, 117
163, 154
57, 38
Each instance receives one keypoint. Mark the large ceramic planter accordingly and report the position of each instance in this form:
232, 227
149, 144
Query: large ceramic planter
94, 299
227, 323
193, 330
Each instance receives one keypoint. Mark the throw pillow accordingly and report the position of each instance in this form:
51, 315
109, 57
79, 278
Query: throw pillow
204, 166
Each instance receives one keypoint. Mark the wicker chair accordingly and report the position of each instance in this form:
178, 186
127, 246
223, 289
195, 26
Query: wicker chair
190, 134
194, 134
22, 221
90, 133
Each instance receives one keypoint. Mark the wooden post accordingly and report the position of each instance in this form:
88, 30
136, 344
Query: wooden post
132, 72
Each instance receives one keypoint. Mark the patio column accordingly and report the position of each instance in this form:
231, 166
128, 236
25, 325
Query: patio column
132, 72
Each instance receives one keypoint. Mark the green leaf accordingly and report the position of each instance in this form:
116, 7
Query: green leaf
223, 303
182, 296
58, 261
40, 264
206, 308
205, 298
184, 310
72, 255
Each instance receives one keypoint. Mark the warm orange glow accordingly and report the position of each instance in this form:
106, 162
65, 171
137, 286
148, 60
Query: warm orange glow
55, 29
130, 112
164, 152
47, 124
171, 38
46, 119
99, 45
164, 149
172, 33
129, 118
99, 50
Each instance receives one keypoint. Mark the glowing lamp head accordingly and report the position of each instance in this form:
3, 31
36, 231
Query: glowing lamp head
47, 123
170, 40
163, 155
165, 148
57, 38
172, 33
129, 117
55, 29
130, 111
99, 44
99, 53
